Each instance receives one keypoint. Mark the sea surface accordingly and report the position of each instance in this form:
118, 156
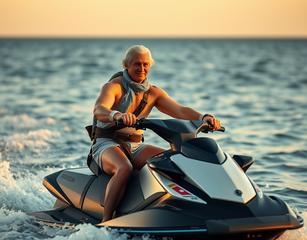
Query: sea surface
257, 88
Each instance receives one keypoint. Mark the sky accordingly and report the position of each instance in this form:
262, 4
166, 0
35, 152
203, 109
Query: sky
153, 18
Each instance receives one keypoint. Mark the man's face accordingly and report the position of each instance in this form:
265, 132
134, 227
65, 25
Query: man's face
139, 67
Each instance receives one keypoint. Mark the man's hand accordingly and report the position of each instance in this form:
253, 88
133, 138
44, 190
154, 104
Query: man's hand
213, 123
129, 119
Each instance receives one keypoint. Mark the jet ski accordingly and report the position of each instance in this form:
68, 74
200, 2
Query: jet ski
194, 189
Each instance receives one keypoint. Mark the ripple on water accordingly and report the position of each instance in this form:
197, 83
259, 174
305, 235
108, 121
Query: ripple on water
294, 168
287, 136
252, 86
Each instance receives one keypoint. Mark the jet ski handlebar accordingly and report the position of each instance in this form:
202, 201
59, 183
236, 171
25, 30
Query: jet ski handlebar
206, 128
120, 124
144, 123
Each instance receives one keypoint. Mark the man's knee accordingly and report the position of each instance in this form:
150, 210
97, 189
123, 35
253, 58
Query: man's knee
124, 170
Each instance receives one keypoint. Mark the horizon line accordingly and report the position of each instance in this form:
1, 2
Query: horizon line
153, 37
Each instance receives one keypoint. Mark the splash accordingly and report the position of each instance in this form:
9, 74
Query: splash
18, 225
90, 232
23, 191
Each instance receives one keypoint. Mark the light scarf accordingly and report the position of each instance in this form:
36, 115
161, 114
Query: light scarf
131, 88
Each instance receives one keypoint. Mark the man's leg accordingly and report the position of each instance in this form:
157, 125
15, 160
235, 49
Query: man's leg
144, 154
115, 163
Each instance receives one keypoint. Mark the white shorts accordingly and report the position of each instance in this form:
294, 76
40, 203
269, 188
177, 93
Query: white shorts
103, 144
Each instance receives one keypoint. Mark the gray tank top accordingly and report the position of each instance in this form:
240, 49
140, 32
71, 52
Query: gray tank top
130, 88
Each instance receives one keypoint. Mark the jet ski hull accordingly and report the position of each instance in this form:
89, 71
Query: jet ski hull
192, 190
169, 223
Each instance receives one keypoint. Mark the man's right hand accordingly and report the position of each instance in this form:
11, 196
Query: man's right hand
128, 119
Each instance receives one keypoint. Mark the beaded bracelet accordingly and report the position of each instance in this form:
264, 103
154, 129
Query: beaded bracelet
112, 114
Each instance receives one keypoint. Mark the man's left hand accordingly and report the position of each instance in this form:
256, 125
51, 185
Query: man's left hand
213, 122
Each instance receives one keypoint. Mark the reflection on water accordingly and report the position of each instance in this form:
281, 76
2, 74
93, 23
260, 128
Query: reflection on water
48, 88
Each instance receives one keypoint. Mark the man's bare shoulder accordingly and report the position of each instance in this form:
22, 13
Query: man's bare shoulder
113, 85
157, 90
116, 80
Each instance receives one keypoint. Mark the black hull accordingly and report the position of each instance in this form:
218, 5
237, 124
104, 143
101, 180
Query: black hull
253, 228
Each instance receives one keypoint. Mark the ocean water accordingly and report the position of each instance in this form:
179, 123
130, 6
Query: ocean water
257, 88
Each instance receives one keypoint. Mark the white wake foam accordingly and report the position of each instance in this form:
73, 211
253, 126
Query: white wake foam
18, 225
90, 232
23, 191
25, 121
32, 140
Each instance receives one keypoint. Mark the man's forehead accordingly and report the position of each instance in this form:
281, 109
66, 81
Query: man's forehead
143, 55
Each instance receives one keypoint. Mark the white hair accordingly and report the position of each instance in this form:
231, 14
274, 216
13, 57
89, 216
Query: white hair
136, 49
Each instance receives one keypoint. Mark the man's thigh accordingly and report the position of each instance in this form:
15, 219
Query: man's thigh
112, 159
147, 151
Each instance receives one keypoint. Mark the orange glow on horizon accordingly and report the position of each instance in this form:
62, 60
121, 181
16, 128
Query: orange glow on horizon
134, 18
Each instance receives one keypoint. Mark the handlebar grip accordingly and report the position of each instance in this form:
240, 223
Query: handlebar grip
119, 123
222, 129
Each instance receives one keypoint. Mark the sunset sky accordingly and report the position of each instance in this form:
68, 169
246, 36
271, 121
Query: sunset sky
153, 18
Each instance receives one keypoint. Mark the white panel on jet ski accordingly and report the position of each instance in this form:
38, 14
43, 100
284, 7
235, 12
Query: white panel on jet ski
148, 183
152, 182
224, 182
176, 190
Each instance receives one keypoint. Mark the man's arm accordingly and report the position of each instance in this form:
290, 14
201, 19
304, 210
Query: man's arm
104, 102
169, 106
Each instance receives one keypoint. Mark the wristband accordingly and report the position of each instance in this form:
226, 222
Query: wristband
206, 115
111, 115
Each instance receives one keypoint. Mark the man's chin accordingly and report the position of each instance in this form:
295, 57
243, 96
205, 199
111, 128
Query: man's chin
139, 79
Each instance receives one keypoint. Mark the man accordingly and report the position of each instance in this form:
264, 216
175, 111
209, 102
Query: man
118, 99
